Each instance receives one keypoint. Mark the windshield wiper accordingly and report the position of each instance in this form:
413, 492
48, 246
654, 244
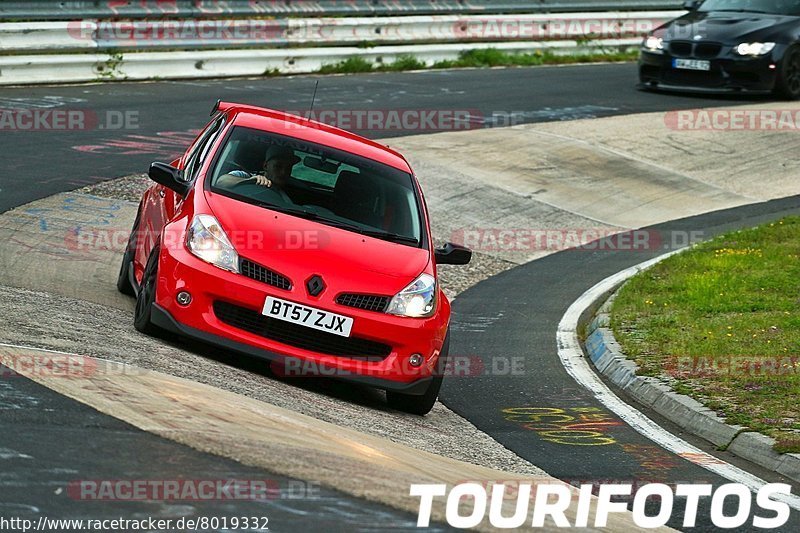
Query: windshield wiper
744, 11
302, 213
388, 236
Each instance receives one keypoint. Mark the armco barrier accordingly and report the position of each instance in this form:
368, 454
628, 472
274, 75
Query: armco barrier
110, 36
28, 69
137, 9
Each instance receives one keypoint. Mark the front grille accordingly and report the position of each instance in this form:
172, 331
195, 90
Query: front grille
695, 78
704, 50
680, 48
299, 336
707, 50
370, 302
263, 274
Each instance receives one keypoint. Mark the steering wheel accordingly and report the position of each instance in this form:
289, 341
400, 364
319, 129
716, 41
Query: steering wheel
249, 187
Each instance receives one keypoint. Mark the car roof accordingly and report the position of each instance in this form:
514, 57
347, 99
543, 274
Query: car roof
274, 121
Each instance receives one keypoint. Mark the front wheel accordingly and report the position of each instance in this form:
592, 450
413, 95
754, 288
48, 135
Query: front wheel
147, 296
787, 84
422, 404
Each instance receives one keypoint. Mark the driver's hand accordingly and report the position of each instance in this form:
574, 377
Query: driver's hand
263, 180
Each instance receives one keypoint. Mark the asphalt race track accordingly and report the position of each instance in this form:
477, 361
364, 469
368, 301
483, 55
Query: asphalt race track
43, 162
79, 440
515, 313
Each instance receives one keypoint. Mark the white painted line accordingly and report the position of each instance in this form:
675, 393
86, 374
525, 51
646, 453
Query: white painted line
571, 355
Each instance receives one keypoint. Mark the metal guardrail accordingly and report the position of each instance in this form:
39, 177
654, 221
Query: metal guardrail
182, 34
65, 68
207, 44
139, 9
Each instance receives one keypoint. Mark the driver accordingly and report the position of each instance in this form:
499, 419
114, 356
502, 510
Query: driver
276, 170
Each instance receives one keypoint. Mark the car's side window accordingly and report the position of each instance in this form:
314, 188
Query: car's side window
199, 152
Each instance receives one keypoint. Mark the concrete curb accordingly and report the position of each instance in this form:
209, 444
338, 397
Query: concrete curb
608, 358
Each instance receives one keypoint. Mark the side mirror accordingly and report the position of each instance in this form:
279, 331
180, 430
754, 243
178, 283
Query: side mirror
169, 177
691, 5
452, 254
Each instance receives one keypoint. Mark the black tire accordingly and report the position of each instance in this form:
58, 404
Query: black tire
147, 296
123, 280
787, 84
422, 404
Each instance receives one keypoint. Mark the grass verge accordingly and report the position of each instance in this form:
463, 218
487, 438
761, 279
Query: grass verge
488, 57
721, 323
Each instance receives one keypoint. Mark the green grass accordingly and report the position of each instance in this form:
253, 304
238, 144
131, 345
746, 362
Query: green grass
489, 57
721, 322
348, 66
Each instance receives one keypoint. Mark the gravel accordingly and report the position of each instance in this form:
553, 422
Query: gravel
129, 188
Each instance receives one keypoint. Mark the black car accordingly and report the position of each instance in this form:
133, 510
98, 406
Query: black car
726, 46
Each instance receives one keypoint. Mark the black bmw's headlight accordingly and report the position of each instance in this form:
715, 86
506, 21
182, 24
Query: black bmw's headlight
653, 44
753, 49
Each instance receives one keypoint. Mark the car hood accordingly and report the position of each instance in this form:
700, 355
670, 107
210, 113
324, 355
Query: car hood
728, 27
299, 248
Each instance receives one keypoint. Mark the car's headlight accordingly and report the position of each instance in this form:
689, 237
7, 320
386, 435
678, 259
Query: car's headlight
207, 240
754, 49
416, 300
652, 43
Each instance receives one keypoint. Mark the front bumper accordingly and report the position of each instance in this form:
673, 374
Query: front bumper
179, 270
728, 74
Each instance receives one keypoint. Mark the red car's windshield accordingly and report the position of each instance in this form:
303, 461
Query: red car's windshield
320, 183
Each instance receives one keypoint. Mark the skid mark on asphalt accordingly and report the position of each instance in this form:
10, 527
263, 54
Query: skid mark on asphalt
166, 144
475, 323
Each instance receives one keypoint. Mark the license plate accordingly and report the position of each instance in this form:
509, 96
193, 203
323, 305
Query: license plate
692, 64
310, 317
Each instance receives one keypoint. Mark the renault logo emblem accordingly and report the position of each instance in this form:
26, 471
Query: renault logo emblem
315, 285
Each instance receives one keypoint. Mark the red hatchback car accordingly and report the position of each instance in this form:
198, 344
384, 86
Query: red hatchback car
297, 242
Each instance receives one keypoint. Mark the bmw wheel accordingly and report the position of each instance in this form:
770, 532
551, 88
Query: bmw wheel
788, 83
